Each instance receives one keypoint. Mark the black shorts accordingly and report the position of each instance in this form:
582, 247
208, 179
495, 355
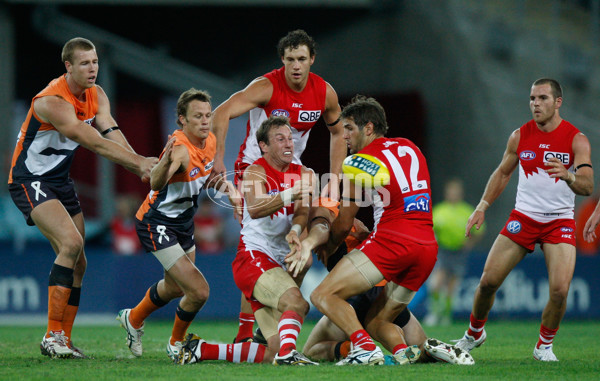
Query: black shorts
363, 302
28, 195
156, 236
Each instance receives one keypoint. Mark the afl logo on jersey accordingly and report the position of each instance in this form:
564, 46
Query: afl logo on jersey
513, 227
280, 112
566, 230
194, 172
527, 155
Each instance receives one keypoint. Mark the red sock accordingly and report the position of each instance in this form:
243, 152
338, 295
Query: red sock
239, 352
475, 327
289, 329
399, 347
546, 336
246, 326
362, 339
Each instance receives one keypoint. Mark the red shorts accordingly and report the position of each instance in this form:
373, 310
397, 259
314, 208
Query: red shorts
247, 267
404, 262
527, 232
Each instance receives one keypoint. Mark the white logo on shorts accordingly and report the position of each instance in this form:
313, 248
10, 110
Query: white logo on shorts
36, 185
160, 229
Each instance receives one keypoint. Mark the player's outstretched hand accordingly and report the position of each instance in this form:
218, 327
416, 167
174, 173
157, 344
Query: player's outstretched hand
589, 231
146, 165
476, 219
301, 190
296, 260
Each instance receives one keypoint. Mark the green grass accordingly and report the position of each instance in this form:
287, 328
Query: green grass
506, 355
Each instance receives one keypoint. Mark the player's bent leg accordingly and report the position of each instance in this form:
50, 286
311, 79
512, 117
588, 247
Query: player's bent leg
560, 261
323, 339
504, 255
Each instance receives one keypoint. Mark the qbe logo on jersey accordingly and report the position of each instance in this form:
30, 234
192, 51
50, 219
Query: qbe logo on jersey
513, 227
564, 157
417, 203
306, 116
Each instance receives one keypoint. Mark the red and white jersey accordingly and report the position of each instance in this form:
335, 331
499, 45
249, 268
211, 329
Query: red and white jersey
539, 196
302, 108
177, 202
402, 209
267, 234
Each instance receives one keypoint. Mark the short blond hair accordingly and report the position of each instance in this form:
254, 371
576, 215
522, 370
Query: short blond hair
74, 44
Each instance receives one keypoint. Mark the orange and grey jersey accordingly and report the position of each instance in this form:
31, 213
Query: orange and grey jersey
42, 152
177, 202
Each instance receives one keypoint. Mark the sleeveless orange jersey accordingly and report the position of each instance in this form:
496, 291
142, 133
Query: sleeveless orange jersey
42, 152
177, 202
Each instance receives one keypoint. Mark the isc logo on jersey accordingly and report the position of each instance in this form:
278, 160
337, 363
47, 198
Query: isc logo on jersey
366, 170
307, 116
562, 156
417, 203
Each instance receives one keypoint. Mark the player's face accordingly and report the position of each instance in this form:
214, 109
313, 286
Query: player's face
84, 68
542, 103
281, 145
297, 64
196, 123
353, 136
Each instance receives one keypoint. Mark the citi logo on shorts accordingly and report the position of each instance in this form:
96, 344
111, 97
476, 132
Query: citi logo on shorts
527, 155
194, 171
309, 116
280, 112
513, 227
566, 230
417, 203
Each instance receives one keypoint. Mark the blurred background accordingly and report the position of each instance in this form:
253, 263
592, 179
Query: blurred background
454, 76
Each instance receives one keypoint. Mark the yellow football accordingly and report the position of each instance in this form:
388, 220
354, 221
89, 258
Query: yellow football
366, 170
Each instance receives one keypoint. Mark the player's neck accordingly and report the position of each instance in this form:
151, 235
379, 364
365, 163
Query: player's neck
551, 124
196, 141
297, 87
277, 165
77, 91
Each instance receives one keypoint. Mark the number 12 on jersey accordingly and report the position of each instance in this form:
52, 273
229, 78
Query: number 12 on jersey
399, 173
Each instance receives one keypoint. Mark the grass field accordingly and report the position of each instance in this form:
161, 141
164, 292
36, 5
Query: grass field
506, 355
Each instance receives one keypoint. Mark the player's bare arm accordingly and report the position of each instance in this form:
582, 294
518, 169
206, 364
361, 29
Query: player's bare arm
259, 203
61, 114
589, 231
173, 160
496, 183
257, 93
582, 182
337, 146
298, 255
221, 184
105, 121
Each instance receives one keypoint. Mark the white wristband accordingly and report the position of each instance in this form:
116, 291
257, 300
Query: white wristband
482, 206
296, 228
286, 196
570, 175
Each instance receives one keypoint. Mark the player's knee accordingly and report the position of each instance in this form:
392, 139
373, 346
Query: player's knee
488, 285
72, 246
292, 300
558, 294
316, 298
198, 295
